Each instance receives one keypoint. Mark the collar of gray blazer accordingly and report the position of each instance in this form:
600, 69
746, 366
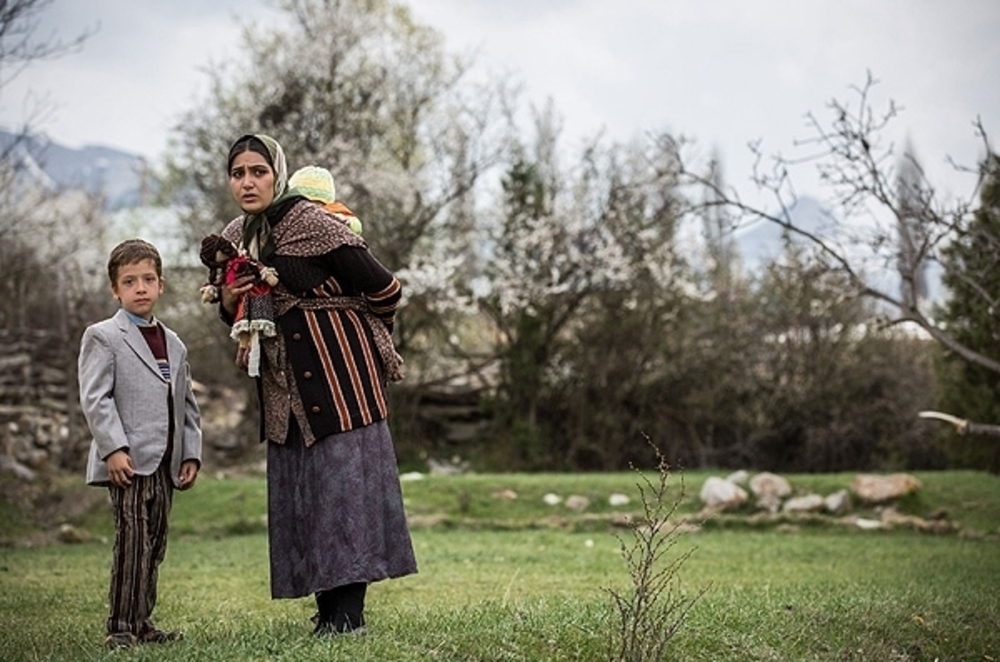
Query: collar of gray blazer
133, 337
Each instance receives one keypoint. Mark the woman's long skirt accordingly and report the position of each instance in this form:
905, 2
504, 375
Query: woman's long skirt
335, 512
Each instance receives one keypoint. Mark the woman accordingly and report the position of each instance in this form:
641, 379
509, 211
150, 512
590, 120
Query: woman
335, 510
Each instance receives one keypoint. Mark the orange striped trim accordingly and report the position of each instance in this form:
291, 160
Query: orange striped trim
352, 368
328, 370
389, 290
370, 364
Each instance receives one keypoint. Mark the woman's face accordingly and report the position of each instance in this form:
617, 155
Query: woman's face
251, 181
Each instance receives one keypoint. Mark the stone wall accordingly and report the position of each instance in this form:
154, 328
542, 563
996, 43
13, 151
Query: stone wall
43, 430
41, 426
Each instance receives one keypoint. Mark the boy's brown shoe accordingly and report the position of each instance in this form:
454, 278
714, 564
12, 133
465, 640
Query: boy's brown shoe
161, 636
120, 640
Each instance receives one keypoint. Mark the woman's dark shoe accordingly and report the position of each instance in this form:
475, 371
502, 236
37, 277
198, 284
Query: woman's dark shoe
329, 629
340, 611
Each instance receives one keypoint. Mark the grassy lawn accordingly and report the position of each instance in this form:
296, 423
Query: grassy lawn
516, 579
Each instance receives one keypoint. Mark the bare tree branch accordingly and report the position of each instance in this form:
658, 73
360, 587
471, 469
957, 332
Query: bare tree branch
20, 43
903, 219
963, 426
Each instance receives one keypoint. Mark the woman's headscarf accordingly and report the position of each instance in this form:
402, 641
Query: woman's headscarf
257, 227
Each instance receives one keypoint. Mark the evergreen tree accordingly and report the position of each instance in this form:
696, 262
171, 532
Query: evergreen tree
972, 315
914, 199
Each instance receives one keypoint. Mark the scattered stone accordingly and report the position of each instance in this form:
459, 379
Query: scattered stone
892, 518
769, 484
621, 520
739, 477
867, 524
552, 499
721, 494
71, 534
769, 502
838, 503
938, 514
505, 495
453, 467
577, 502
618, 499
809, 503
10, 465
411, 476
879, 489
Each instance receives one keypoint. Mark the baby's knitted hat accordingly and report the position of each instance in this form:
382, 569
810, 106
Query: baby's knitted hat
315, 183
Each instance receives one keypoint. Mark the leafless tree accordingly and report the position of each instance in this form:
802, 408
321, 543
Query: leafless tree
29, 216
885, 215
870, 204
20, 41
43, 271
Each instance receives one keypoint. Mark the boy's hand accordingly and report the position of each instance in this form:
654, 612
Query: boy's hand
120, 468
243, 357
189, 472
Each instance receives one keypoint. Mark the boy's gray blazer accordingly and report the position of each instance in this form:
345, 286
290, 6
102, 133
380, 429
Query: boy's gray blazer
124, 399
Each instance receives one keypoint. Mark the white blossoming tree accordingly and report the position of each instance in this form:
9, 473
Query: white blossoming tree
576, 253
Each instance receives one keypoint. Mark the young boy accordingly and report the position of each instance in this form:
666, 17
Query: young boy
135, 389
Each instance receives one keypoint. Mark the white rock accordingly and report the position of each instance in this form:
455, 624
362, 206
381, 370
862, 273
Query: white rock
804, 504
876, 489
739, 477
867, 524
770, 484
838, 503
552, 499
720, 493
769, 502
617, 499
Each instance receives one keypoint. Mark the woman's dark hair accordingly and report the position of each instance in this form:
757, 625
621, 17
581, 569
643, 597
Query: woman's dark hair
248, 143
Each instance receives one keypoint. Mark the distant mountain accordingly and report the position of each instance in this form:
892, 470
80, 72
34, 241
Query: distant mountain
764, 241
122, 179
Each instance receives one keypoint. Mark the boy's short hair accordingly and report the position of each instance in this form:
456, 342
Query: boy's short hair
132, 251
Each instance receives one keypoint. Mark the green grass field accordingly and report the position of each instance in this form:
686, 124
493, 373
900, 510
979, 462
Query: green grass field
516, 579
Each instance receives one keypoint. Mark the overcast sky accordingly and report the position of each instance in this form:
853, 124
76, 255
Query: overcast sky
723, 72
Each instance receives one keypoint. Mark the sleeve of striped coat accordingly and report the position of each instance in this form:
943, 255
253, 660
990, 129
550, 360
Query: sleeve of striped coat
361, 274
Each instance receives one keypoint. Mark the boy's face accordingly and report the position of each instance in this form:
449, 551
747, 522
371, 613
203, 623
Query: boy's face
138, 287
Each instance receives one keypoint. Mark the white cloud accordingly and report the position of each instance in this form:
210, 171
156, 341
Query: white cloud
142, 66
724, 72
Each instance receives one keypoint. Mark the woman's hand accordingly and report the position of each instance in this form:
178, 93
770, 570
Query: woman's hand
233, 292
